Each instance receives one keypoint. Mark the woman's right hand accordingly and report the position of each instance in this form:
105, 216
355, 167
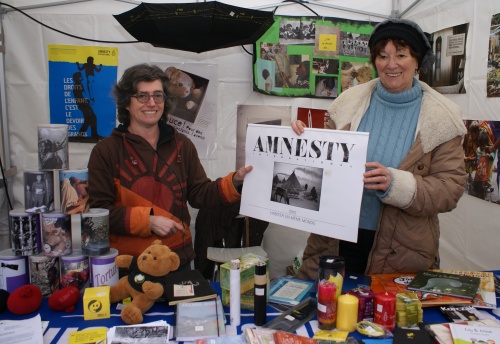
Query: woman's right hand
298, 127
163, 226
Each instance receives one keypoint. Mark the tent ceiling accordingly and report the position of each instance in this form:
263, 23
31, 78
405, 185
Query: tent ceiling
380, 8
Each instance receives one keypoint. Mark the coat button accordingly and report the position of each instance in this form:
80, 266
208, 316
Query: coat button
420, 166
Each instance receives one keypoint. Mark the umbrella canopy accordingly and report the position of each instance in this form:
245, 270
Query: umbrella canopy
195, 27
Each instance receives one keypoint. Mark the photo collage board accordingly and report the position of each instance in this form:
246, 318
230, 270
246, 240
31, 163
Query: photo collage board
315, 57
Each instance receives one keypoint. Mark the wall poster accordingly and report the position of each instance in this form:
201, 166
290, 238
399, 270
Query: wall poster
316, 57
312, 182
80, 83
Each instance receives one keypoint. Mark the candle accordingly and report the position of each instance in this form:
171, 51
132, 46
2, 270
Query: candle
347, 308
327, 305
385, 310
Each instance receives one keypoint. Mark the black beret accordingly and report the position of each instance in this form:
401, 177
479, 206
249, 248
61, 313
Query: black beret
408, 31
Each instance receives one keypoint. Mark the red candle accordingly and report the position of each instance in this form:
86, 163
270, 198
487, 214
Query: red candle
327, 305
385, 310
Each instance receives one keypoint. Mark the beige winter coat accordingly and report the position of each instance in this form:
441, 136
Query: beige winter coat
429, 181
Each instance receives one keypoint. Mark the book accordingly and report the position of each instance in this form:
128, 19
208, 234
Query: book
188, 286
461, 313
200, 319
410, 335
397, 283
289, 290
442, 333
442, 283
485, 296
464, 334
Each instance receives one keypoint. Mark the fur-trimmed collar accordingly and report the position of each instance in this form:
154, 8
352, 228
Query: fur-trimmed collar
440, 119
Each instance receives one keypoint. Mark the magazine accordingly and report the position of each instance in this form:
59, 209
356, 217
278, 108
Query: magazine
485, 296
200, 319
313, 182
445, 284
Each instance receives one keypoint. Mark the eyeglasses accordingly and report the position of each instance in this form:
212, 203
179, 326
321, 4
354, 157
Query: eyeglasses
144, 97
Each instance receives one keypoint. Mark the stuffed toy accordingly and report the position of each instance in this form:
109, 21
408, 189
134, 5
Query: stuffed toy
25, 300
182, 87
64, 299
145, 282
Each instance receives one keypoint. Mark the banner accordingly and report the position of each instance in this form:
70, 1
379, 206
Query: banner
312, 182
80, 82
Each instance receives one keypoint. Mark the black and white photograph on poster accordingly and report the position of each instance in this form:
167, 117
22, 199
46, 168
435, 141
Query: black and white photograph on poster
297, 32
53, 147
38, 191
354, 44
312, 182
194, 108
297, 185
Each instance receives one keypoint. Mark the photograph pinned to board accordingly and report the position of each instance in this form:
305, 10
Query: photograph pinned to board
447, 73
355, 73
493, 71
261, 114
481, 149
53, 151
312, 182
194, 108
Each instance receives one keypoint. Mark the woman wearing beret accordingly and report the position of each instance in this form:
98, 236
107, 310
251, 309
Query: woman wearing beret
414, 168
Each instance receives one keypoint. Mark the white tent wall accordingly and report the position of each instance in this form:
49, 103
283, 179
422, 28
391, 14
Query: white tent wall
26, 75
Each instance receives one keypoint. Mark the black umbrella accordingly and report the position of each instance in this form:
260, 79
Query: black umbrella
196, 27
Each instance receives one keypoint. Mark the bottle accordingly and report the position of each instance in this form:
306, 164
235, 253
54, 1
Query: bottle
260, 295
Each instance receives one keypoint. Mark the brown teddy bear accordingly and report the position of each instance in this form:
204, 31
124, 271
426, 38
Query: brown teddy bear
182, 87
55, 241
146, 280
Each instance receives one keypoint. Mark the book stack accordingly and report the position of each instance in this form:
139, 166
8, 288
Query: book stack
289, 291
441, 287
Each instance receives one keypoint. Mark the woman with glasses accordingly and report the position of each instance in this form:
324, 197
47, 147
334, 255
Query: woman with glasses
145, 172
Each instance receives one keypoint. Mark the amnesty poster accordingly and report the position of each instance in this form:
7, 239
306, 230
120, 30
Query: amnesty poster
312, 182
80, 83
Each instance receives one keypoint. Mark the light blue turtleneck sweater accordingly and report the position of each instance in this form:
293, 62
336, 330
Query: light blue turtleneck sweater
391, 119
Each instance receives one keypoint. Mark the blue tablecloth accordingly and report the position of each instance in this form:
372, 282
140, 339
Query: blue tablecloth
61, 324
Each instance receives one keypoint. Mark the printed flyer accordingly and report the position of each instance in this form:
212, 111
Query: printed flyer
312, 182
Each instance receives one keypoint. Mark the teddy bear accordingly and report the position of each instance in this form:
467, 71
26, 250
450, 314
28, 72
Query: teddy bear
182, 87
145, 282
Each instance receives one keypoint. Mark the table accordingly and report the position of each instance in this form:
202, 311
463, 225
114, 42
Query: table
61, 324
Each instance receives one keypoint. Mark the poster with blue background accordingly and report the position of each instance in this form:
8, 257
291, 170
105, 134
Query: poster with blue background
80, 83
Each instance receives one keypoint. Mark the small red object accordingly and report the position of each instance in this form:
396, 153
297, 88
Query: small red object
25, 300
385, 310
64, 299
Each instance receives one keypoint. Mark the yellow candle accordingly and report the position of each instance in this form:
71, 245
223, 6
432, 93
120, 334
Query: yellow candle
347, 312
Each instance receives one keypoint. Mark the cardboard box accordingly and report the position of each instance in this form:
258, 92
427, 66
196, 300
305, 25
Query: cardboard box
96, 303
247, 272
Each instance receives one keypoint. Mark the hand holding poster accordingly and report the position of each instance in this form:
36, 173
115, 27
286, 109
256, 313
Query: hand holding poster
312, 182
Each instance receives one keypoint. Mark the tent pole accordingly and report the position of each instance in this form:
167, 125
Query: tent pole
408, 8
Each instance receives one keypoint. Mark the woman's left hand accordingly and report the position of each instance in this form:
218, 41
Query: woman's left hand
378, 177
239, 176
